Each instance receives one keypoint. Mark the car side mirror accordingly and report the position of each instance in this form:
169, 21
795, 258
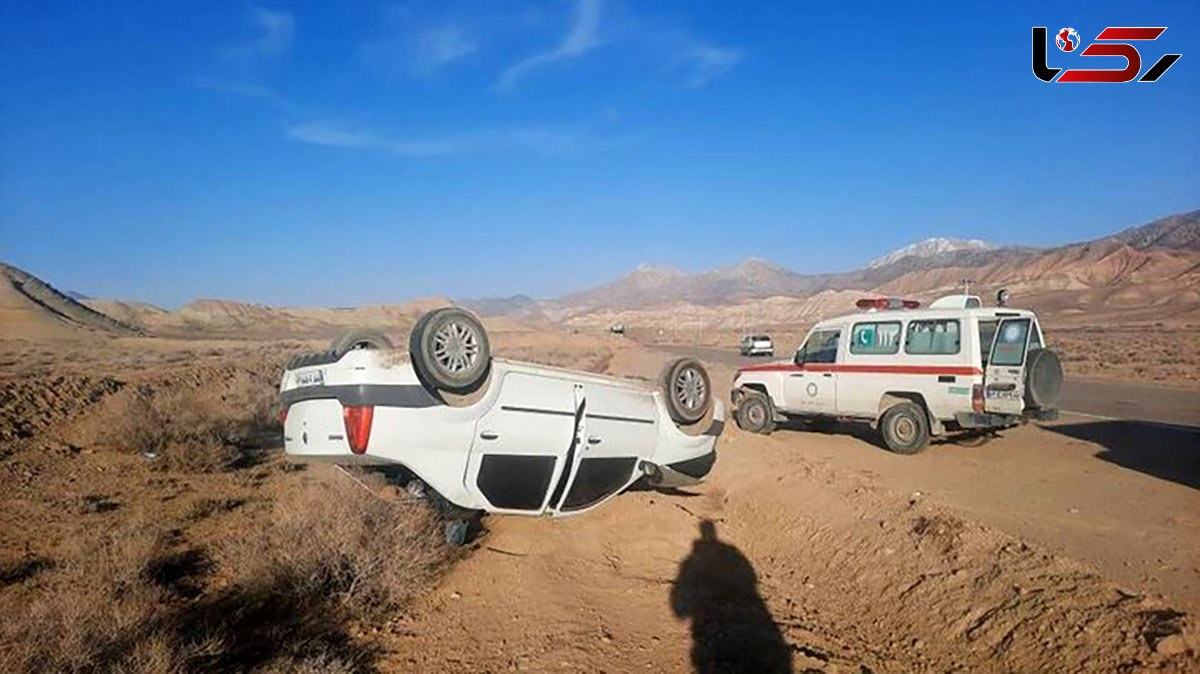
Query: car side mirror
799, 359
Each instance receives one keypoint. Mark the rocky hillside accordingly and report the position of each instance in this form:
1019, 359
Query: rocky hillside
1175, 232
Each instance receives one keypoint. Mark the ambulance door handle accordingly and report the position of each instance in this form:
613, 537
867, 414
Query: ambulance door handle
798, 374
827, 374
488, 435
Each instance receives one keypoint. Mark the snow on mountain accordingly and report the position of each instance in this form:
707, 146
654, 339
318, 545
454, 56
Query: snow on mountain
929, 248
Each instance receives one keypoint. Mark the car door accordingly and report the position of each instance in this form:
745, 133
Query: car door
1004, 378
522, 446
811, 388
618, 428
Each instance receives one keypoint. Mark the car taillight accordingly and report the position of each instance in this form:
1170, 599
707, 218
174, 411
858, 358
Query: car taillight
358, 426
283, 416
977, 397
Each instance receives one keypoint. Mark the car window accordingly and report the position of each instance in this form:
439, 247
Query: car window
987, 332
821, 346
1010, 343
929, 338
875, 338
1035, 340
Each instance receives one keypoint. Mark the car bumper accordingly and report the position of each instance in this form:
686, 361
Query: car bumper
985, 420
989, 420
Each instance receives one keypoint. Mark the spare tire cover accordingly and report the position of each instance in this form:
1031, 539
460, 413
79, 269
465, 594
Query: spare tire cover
1043, 378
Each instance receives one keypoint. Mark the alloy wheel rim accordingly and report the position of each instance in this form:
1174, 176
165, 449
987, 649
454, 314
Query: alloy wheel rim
690, 389
455, 347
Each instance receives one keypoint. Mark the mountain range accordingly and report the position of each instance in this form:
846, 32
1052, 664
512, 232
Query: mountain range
1147, 272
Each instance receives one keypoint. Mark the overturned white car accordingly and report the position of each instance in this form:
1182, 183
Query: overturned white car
491, 434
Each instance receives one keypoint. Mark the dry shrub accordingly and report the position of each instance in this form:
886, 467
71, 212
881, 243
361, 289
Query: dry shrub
134, 600
186, 429
104, 593
206, 507
340, 540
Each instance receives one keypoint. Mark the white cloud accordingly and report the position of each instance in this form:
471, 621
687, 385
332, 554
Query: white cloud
420, 52
338, 134
278, 30
539, 139
708, 63
580, 39
435, 48
248, 90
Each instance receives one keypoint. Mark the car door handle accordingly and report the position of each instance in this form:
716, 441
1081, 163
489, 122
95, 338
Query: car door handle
593, 439
489, 435
798, 374
827, 374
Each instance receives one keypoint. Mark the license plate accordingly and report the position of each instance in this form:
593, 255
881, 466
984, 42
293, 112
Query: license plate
310, 378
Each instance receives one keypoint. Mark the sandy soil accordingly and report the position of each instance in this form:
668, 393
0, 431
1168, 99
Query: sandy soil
818, 552
833, 555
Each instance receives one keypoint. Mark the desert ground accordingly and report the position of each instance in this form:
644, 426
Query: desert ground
151, 524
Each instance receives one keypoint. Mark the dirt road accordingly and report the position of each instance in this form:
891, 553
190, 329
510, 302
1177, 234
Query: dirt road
822, 552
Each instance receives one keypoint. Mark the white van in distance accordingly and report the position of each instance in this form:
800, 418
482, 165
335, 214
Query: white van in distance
913, 373
757, 345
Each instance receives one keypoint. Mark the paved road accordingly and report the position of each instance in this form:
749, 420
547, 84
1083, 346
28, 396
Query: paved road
1133, 402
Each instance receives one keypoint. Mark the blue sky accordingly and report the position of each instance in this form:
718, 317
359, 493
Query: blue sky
339, 153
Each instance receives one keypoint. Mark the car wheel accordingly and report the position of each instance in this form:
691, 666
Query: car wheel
754, 413
905, 428
450, 350
361, 338
687, 390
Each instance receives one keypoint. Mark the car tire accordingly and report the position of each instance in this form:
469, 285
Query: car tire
687, 390
360, 338
754, 413
1043, 379
905, 428
450, 350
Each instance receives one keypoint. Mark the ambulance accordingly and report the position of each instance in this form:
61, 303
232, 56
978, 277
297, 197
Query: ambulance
913, 373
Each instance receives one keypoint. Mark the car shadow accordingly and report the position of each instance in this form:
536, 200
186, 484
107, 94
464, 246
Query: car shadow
862, 431
732, 629
1161, 450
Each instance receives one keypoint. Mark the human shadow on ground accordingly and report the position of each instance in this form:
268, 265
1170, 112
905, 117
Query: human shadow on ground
732, 630
1162, 450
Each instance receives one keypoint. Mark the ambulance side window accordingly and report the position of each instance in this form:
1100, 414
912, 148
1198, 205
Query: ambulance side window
821, 346
936, 337
875, 338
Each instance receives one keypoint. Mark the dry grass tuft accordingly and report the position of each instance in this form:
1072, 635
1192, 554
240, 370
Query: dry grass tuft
194, 429
135, 600
339, 540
